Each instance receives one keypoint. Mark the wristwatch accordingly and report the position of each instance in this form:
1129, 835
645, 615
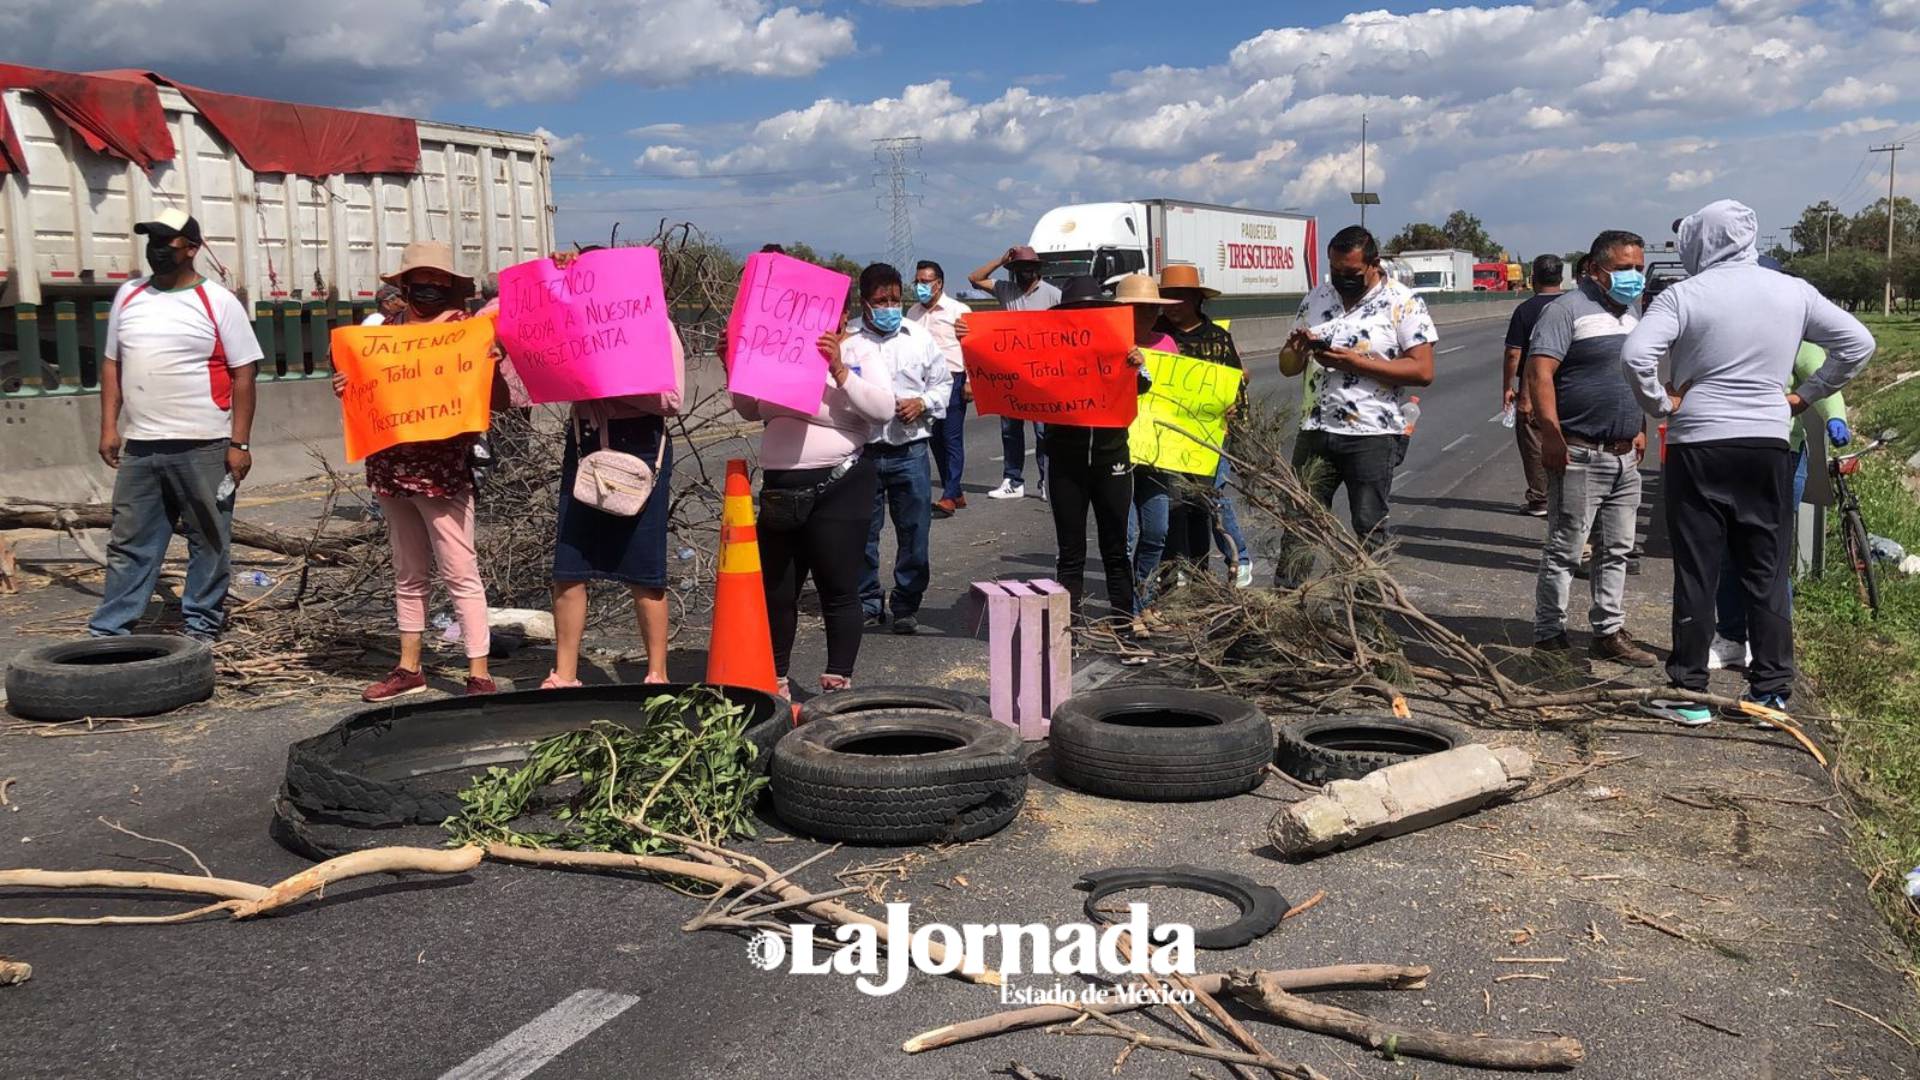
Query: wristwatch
240, 446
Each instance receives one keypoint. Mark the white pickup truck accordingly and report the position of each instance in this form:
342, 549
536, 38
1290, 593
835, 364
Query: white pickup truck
67, 210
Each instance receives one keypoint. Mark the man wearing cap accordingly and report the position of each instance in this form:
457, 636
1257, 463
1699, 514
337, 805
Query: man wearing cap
176, 411
1025, 291
937, 312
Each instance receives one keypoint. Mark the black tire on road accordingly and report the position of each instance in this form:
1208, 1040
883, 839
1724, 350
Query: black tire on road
1160, 744
132, 675
1316, 749
899, 776
873, 698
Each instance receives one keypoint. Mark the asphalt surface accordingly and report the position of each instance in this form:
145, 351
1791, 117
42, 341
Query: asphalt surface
507, 972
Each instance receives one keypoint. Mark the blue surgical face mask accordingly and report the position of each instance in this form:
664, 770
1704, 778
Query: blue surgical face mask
923, 291
1625, 286
885, 319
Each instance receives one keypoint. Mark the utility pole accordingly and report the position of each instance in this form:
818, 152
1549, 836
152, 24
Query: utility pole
1364, 198
893, 156
1892, 150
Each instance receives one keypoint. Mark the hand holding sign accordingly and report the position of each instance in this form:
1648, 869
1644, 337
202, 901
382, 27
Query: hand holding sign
593, 326
413, 383
1195, 397
777, 347
1056, 367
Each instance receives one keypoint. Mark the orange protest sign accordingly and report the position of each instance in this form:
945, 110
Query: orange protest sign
1056, 367
413, 383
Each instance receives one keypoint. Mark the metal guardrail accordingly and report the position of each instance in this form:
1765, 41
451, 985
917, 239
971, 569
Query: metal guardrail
51, 350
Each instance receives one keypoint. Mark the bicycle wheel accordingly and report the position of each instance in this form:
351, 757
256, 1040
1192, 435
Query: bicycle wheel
1860, 555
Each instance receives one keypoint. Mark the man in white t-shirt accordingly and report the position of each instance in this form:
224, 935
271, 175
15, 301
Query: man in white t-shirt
1023, 290
937, 311
176, 411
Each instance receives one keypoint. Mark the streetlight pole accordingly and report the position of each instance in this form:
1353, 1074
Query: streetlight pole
1363, 170
1892, 150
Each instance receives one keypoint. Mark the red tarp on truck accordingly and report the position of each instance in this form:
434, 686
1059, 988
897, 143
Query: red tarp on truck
306, 140
119, 113
113, 116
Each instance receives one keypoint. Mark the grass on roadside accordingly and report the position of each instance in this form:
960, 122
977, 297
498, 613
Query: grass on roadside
1867, 671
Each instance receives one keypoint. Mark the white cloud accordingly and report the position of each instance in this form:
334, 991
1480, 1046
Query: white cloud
1864, 126
1689, 179
1545, 117
355, 52
1748, 10
569, 149
1852, 93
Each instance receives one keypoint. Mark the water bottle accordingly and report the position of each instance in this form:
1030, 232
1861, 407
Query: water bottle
228, 485
259, 579
1410, 413
685, 554
1507, 416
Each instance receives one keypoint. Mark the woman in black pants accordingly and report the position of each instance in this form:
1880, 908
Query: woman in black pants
816, 500
1090, 468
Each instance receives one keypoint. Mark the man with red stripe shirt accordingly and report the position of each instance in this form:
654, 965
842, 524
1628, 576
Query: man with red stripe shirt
176, 411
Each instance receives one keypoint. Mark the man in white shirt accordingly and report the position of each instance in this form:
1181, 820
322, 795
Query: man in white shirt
936, 311
1023, 290
176, 411
884, 347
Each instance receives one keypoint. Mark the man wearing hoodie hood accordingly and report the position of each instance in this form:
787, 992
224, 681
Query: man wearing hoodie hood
1730, 331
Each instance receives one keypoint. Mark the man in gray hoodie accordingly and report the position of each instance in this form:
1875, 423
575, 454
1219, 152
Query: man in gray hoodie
1730, 332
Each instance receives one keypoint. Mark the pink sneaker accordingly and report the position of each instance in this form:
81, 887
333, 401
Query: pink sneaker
553, 681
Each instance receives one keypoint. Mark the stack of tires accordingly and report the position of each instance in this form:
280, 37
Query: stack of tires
1160, 744
896, 766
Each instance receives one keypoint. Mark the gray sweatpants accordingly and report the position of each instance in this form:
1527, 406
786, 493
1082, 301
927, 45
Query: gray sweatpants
1599, 493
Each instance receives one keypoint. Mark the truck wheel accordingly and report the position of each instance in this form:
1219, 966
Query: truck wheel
874, 698
899, 776
1160, 744
1316, 749
131, 675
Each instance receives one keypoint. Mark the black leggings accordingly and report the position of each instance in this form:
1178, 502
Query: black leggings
832, 546
1079, 478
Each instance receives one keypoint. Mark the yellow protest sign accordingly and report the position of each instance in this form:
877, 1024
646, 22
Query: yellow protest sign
1224, 324
1194, 396
413, 383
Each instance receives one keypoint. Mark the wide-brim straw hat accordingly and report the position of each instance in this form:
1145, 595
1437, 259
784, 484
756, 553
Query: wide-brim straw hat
1185, 276
428, 255
1140, 289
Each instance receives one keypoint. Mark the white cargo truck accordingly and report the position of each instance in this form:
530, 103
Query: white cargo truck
67, 211
1237, 251
1440, 270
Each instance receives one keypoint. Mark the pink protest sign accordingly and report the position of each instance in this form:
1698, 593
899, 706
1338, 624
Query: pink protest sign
597, 329
783, 307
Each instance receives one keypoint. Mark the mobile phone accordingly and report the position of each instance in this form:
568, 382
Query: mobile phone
1318, 345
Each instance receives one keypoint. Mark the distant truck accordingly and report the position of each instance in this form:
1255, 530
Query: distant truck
1239, 252
1441, 270
295, 201
1497, 277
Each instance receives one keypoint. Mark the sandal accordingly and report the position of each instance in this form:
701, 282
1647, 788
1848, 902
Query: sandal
832, 683
553, 681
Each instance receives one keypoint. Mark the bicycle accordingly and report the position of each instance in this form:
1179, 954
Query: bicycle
1853, 525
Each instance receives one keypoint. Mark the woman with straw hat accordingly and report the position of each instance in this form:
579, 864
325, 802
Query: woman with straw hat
425, 492
1156, 497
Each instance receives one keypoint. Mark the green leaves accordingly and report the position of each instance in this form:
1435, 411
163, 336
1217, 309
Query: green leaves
687, 768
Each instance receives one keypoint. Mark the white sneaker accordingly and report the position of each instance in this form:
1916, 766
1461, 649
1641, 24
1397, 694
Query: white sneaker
1243, 579
1043, 491
1008, 490
1723, 654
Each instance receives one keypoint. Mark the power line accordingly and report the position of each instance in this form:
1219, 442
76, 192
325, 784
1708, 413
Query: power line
893, 156
614, 177
583, 209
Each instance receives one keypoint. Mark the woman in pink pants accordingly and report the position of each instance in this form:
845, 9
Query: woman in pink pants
425, 491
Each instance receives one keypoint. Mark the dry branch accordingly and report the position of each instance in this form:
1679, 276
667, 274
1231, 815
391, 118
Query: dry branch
1303, 980
1395, 1039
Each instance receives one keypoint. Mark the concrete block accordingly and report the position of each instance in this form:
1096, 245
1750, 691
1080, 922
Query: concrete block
1400, 799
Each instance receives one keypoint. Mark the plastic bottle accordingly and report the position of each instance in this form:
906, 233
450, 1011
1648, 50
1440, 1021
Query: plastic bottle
259, 579
1507, 416
228, 485
1410, 413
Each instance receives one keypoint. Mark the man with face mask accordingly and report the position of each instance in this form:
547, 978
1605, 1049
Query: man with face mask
885, 347
1591, 443
934, 310
1024, 291
1362, 338
176, 411
1730, 332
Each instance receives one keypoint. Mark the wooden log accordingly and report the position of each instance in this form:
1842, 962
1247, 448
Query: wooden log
62, 517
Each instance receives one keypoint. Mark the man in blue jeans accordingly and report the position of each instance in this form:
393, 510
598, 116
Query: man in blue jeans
884, 342
938, 312
176, 410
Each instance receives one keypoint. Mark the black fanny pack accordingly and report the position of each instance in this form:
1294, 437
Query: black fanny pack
787, 509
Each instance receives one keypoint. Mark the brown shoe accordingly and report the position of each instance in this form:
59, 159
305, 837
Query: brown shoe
959, 502
399, 683
477, 686
944, 508
1620, 648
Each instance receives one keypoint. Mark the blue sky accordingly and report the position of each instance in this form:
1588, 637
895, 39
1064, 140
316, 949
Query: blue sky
754, 118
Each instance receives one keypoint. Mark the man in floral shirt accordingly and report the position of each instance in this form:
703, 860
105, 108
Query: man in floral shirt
1361, 338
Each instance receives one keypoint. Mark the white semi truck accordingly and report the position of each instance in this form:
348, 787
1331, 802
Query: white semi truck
1237, 251
67, 210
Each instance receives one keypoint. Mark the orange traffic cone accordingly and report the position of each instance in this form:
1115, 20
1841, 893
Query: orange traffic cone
740, 652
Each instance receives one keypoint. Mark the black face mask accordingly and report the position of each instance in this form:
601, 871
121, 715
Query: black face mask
1351, 287
429, 298
1025, 278
163, 257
